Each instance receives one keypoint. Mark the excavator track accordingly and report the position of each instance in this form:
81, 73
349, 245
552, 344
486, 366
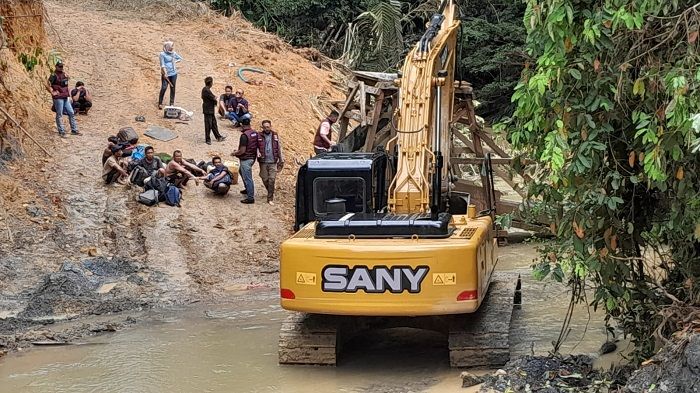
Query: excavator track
310, 339
478, 339
482, 338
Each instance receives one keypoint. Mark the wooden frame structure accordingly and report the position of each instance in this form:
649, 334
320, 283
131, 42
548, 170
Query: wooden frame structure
370, 103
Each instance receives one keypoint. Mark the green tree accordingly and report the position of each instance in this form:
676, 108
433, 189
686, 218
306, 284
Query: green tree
610, 110
492, 55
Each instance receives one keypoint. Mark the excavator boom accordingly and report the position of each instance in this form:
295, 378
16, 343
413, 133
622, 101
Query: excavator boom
425, 114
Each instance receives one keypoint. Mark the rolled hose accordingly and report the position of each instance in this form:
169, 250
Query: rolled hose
251, 69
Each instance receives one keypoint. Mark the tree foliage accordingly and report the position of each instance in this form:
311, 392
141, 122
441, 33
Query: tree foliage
492, 58
610, 111
376, 34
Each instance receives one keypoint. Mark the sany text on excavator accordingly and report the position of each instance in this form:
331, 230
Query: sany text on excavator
384, 241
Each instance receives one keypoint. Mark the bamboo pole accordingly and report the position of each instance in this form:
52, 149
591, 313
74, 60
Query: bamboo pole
25, 131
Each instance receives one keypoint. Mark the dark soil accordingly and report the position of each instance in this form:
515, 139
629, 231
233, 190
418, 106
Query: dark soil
675, 369
554, 374
92, 287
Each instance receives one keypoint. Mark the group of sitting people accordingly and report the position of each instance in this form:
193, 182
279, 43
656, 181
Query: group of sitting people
128, 161
233, 106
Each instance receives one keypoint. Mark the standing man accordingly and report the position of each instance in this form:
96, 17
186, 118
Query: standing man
168, 72
223, 101
209, 109
82, 99
247, 152
322, 139
270, 159
58, 82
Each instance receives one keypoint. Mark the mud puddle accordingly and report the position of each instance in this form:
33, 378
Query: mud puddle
233, 347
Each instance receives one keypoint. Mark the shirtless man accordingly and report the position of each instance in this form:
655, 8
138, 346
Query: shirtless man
179, 171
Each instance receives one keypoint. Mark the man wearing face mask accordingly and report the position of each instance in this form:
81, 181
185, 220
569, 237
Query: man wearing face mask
58, 87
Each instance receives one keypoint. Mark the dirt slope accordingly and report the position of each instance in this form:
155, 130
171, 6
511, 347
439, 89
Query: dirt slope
209, 247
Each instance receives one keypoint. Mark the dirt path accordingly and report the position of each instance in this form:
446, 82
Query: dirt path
211, 247
210, 244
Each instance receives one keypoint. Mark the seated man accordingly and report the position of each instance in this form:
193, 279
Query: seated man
179, 171
111, 142
152, 164
223, 102
219, 178
113, 169
82, 99
237, 108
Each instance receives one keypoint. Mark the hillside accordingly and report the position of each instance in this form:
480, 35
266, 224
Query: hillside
57, 208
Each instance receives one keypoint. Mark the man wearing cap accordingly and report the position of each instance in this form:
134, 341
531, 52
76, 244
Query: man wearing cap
58, 87
247, 152
113, 170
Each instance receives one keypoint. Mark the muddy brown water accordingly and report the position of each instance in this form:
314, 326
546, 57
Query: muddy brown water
232, 348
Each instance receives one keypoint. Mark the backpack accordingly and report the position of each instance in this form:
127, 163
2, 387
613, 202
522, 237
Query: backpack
159, 184
138, 175
149, 198
173, 196
139, 152
127, 134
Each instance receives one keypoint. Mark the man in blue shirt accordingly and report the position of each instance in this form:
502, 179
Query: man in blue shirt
237, 108
219, 178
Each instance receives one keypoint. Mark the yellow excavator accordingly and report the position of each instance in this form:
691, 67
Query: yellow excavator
384, 241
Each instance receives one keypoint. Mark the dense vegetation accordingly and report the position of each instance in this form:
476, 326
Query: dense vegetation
375, 35
611, 112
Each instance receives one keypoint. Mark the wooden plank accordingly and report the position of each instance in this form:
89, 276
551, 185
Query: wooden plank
368, 89
353, 115
363, 104
343, 128
479, 161
492, 144
372, 132
463, 138
341, 114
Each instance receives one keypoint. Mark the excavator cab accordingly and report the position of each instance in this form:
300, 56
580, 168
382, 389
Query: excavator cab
333, 185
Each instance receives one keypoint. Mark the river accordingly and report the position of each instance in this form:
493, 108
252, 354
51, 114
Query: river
232, 347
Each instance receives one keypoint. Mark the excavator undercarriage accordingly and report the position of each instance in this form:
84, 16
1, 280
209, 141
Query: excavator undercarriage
480, 339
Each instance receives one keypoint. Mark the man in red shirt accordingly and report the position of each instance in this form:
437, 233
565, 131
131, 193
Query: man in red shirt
322, 139
58, 82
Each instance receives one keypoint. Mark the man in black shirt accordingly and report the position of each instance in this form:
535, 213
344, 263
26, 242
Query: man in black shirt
209, 104
223, 102
82, 99
151, 163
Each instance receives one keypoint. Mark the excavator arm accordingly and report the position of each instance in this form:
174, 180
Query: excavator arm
425, 116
